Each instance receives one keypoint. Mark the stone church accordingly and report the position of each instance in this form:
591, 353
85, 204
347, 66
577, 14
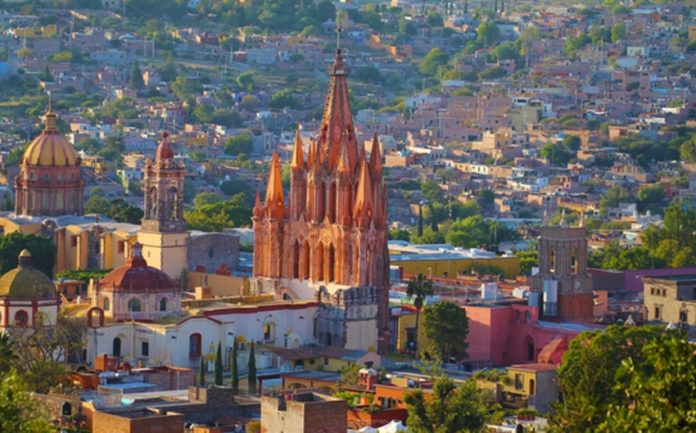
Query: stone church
329, 241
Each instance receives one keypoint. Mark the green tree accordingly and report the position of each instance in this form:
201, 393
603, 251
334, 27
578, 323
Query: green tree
135, 77
168, 70
235, 369
7, 354
245, 80
215, 217
284, 99
572, 143
555, 153
659, 393
613, 197
204, 113
687, 150
418, 288
43, 252
218, 365
44, 349
201, 374
251, 370
475, 231
651, 198
119, 210
587, 378
19, 412
528, 259
430, 236
204, 198
96, 203
350, 375
451, 408
446, 327
487, 34
420, 221
618, 32
432, 191
184, 88
433, 62
242, 143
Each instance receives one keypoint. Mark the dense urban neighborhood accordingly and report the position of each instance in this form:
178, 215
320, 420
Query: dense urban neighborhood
290, 216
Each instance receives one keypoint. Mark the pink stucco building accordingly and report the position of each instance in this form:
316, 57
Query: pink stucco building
504, 334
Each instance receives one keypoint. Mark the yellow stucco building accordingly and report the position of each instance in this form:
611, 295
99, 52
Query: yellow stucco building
446, 261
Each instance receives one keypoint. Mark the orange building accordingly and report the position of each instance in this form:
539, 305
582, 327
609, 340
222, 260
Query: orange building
330, 240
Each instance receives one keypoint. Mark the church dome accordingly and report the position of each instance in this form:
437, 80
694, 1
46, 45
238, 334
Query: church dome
26, 283
50, 148
164, 149
137, 276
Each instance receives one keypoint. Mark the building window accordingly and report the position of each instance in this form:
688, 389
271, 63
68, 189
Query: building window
21, 319
121, 246
552, 262
195, 345
73, 241
531, 387
518, 381
145, 348
269, 331
107, 304
134, 305
116, 347
163, 304
658, 312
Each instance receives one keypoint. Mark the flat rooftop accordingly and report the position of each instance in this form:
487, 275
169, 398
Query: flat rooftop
406, 251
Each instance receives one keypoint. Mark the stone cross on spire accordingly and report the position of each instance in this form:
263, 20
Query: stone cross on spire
338, 26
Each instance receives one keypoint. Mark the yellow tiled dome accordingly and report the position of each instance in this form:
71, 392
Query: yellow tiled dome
50, 148
26, 283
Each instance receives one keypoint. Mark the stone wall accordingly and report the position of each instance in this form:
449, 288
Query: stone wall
211, 250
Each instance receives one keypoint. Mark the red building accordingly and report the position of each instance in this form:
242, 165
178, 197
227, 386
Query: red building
330, 240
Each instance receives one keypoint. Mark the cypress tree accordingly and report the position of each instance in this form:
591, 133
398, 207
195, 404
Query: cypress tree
252, 371
420, 220
218, 365
201, 374
235, 369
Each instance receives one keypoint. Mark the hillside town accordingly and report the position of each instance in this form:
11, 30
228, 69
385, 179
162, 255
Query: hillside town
370, 216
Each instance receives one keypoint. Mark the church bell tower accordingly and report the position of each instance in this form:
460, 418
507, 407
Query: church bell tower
163, 231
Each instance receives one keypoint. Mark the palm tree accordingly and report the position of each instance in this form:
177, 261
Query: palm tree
419, 287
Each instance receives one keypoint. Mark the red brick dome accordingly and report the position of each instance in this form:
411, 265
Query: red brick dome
164, 149
137, 276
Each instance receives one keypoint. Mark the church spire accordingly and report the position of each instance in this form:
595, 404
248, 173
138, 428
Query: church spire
297, 155
337, 118
363, 199
258, 207
275, 203
375, 157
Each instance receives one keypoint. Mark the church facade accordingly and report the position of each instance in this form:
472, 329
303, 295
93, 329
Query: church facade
329, 242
